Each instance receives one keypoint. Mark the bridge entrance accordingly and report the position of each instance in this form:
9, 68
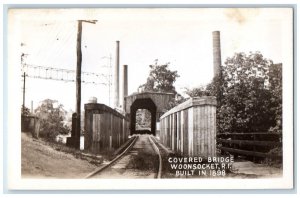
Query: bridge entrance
143, 103
155, 102
143, 120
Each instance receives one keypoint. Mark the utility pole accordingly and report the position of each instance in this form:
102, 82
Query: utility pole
116, 76
24, 77
78, 80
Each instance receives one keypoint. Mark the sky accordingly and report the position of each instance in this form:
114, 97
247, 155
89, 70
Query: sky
182, 37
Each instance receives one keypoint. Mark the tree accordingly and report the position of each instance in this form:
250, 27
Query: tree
248, 101
51, 115
143, 119
160, 79
25, 111
275, 76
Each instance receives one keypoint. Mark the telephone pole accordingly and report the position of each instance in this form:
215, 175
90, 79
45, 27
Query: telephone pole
23, 107
24, 79
78, 80
116, 75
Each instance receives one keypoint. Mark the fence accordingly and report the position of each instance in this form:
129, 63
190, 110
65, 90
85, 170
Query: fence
253, 146
190, 127
105, 128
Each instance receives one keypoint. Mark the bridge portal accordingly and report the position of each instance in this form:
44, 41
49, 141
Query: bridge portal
143, 103
155, 102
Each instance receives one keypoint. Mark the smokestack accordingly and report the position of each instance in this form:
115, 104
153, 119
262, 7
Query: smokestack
116, 75
216, 52
125, 84
125, 80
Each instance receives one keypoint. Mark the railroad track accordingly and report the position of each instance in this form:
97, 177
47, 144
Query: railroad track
151, 146
113, 160
156, 149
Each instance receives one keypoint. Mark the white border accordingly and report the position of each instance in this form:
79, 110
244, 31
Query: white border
14, 181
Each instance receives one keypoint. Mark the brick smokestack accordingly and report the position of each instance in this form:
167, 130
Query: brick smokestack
125, 84
125, 80
216, 52
116, 75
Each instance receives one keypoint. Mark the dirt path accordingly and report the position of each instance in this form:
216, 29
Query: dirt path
42, 161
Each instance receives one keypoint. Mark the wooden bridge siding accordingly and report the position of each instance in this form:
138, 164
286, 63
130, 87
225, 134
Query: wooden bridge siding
181, 132
162, 131
109, 131
161, 100
178, 143
204, 127
100, 139
105, 129
88, 120
185, 133
97, 132
114, 129
169, 127
171, 132
191, 131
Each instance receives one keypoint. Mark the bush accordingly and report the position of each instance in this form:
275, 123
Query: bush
51, 115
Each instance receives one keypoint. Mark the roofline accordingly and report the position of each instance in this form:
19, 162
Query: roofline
149, 92
192, 102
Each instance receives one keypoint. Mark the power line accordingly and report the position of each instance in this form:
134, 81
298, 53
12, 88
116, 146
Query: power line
109, 66
54, 41
66, 75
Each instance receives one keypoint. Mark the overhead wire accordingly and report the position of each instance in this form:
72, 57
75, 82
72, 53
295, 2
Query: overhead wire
50, 72
46, 35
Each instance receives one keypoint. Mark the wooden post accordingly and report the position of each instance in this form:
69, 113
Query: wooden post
78, 80
116, 75
24, 75
254, 149
235, 147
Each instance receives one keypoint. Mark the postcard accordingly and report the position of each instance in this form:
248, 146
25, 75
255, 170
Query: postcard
123, 98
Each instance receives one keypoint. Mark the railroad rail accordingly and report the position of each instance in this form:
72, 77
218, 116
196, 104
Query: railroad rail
131, 150
113, 160
156, 149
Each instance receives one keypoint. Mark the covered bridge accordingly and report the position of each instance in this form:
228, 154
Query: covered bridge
155, 102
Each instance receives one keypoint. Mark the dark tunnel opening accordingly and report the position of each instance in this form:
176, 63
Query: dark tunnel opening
148, 104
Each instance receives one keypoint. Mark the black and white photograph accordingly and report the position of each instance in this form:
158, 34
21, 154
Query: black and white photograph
150, 98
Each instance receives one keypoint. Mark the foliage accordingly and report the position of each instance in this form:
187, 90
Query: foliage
51, 115
178, 99
197, 92
25, 111
143, 119
249, 97
276, 100
160, 79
